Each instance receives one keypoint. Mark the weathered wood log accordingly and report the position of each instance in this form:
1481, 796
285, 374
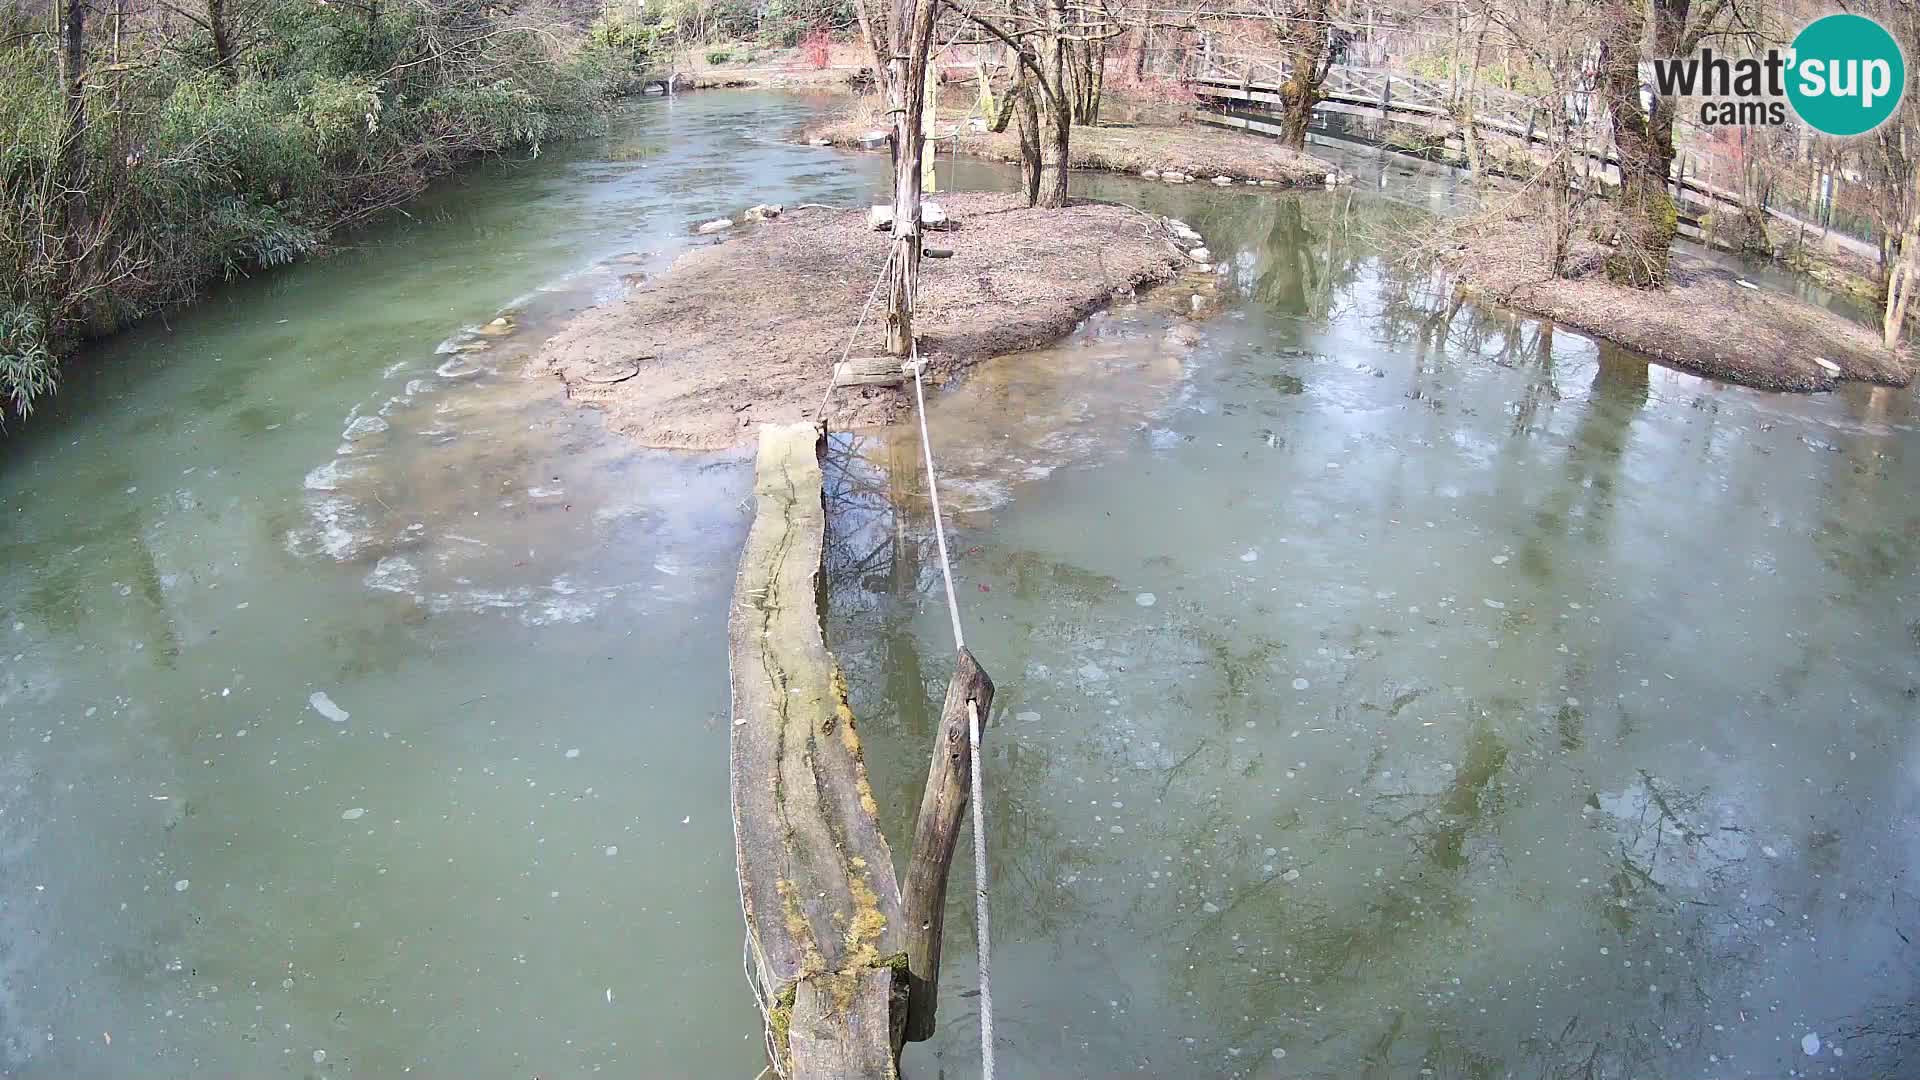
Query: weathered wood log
869, 371
817, 885
943, 806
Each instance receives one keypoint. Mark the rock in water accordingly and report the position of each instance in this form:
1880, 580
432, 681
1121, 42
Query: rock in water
1149, 174
1223, 181
715, 226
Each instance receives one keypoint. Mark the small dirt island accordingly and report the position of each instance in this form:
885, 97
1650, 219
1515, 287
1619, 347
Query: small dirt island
746, 331
1704, 320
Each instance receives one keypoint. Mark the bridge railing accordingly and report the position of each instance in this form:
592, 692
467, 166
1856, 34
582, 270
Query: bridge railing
1376, 88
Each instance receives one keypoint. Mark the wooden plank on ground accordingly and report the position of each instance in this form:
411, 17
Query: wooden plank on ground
816, 876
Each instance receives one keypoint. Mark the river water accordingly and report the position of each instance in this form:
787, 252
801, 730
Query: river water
1387, 687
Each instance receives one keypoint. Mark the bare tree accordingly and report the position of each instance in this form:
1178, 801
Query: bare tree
901, 39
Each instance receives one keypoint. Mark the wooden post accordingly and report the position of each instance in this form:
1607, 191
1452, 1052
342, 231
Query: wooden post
943, 806
929, 153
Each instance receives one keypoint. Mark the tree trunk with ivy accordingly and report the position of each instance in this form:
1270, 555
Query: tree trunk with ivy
1648, 216
1309, 50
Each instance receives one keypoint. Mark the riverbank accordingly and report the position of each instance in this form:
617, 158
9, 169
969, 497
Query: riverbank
747, 331
1705, 321
1177, 153
154, 179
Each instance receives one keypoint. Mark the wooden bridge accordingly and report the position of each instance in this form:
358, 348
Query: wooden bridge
1514, 120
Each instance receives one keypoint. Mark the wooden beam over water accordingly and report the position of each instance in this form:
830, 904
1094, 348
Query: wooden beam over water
817, 883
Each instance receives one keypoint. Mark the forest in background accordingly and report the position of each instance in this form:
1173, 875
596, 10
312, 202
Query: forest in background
154, 146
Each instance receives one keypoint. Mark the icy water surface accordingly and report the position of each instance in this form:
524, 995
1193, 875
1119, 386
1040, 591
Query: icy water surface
1396, 688
362, 700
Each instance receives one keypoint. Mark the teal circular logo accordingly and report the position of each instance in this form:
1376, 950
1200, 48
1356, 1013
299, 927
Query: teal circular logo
1845, 75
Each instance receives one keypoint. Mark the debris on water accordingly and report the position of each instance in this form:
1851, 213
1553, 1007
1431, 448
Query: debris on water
612, 850
1250, 556
1278, 1053
1768, 851
181, 885
1810, 1044
1301, 684
1092, 673
1499, 560
573, 753
1291, 875
1745, 284
1494, 604
1210, 908
324, 705
1145, 599
688, 820
319, 1057
609, 995
353, 814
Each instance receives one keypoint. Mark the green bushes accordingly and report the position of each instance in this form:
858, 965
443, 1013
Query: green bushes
184, 173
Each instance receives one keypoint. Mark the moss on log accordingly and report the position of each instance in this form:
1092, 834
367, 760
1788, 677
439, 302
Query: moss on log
817, 883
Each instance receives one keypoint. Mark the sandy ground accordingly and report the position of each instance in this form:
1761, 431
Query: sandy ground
1195, 152
1704, 321
746, 331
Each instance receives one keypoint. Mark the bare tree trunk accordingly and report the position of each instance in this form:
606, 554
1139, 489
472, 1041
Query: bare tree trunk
73, 135
1029, 126
1309, 56
1056, 109
1900, 272
1464, 115
1649, 216
902, 75
222, 37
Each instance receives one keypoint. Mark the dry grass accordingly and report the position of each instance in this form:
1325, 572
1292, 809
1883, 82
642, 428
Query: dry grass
746, 331
1703, 321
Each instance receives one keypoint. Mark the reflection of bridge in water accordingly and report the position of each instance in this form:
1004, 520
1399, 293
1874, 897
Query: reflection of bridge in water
1514, 120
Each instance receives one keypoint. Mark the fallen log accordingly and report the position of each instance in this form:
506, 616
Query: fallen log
817, 883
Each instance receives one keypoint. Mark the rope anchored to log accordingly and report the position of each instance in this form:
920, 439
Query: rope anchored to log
973, 735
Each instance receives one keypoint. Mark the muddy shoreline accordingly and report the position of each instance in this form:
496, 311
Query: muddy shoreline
746, 331
1705, 321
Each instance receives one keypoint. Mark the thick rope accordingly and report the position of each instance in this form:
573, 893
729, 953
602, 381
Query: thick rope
973, 741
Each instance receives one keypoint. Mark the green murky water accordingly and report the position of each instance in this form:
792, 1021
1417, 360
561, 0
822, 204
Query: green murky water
513, 857
1386, 688
1390, 688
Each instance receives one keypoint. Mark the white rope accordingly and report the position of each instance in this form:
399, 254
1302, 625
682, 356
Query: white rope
980, 894
973, 741
933, 495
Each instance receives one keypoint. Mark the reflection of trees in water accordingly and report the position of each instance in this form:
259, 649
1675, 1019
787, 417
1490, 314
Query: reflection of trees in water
880, 571
1592, 465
